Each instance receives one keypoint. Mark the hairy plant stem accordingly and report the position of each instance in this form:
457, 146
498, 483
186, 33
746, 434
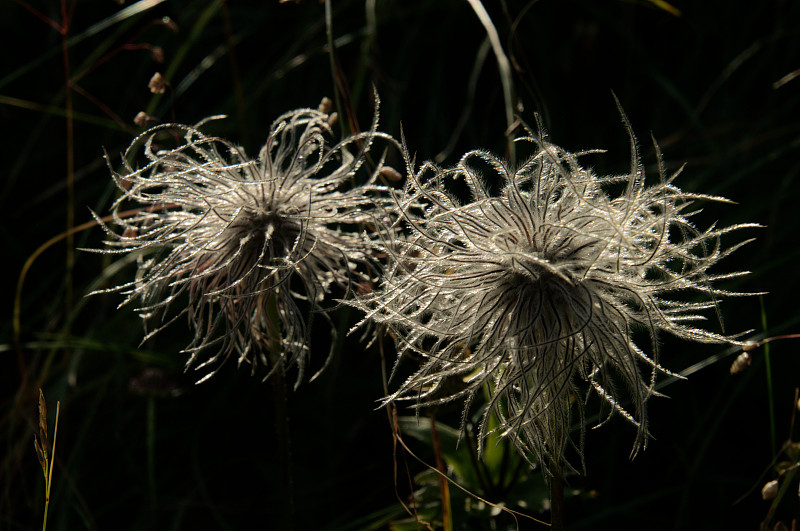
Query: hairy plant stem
278, 382
556, 495
444, 487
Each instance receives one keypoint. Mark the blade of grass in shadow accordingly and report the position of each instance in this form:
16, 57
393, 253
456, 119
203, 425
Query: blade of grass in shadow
444, 488
230, 45
59, 111
768, 370
16, 320
504, 66
66, 20
472, 87
177, 60
341, 90
116, 18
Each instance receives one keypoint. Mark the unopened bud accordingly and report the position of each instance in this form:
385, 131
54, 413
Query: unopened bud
770, 490
333, 118
325, 105
741, 362
391, 174
157, 84
143, 119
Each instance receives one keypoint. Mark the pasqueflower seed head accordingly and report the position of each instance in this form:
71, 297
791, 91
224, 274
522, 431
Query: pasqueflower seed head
538, 293
238, 245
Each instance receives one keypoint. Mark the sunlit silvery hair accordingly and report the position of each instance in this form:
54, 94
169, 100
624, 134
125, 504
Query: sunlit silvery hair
233, 244
535, 293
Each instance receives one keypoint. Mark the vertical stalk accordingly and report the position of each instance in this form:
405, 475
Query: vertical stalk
444, 487
768, 367
278, 382
70, 258
556, 495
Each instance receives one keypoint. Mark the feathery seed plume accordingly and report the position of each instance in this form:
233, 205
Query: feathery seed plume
537, 293
234, 244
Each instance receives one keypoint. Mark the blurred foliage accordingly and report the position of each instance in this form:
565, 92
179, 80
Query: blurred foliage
140, 446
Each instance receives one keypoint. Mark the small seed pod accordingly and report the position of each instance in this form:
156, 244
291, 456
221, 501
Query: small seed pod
157, 84
333, 118
391, 174
325, 106
769, 490
142, 118
741, 362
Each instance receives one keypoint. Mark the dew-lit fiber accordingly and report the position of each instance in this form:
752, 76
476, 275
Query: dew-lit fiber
246, 249
535, 293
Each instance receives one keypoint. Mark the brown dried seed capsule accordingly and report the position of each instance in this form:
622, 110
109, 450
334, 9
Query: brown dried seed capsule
143, 118
157, 84
333, 118
741, 362
326, 105
391, 174
769, 490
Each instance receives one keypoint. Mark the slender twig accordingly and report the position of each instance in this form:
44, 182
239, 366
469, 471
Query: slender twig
444, 488
70, 258
391, 413
282, 428
514, 514
768, 367
49, 243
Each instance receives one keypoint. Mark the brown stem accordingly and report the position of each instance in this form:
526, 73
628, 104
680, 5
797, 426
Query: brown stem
282, 426
444, 487
70, 259
556, 496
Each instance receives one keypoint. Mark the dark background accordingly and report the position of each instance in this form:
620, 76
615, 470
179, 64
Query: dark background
705, 82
